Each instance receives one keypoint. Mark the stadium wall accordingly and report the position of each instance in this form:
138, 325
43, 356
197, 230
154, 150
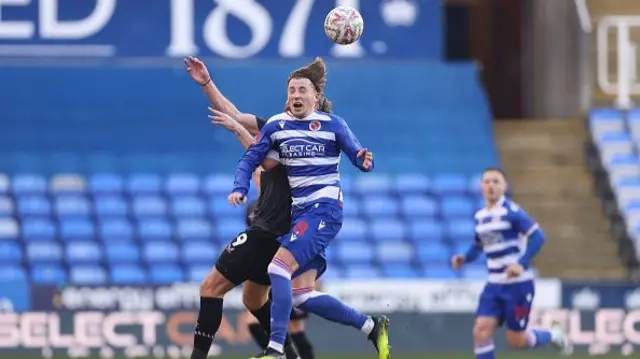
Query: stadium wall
599, 317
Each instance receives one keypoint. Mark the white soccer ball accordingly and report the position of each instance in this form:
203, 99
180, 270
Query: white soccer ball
343, 25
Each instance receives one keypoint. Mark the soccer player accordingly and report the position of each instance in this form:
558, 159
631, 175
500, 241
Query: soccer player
298, 316
510, 239
309, 140
273, 217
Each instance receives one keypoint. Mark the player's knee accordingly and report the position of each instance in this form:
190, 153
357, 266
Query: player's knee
482, 332
253, 302
276, 267
516, 340
215, 285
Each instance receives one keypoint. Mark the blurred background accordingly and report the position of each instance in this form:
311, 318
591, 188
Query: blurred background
113, 181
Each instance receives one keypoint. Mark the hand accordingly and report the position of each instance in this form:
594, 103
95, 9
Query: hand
514, 270
236, 199
457, 262
222, 119
197, 70
368, 158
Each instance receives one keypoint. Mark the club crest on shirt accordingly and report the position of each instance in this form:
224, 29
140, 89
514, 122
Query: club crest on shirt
314, 125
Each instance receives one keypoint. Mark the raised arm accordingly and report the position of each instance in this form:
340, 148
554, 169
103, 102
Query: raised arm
360, 157
200, 74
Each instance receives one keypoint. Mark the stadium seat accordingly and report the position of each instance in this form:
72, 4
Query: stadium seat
68, 184
149, 206
411, 183
395, 253
106, 184
11, 272
449, 184
421, 230
71, 206
154, 230
457, 207
352, 208
333, 273
48, 274
144, 184
38, 229
76, 229
353, 230
28, 184
9, 229
373, 184
461, 230
194, 229
380, 206
115, 229
399, 271
128, 274
228, 229
10, 252
347, 184
606, 120
7, 207
474, 272
388, 230
199, 252
475, 185
160, 252
418, 206
122, 252
433, 252
166, 274
44, 252
362, 272
110, 206
182, 184
88, 275
355, 252
196, 273
191, 206
220, 208
5, 184
34, 206
83, 253
218, 185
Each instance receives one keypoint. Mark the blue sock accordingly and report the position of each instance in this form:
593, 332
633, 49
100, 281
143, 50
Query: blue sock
281, 305
538, 337
484, 350
330, 308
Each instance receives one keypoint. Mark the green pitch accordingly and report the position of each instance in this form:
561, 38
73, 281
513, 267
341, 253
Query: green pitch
504, 355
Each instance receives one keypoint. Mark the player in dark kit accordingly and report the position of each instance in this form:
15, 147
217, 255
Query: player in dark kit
248, 256
298, 316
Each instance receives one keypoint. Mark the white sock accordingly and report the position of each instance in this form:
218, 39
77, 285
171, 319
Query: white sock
367, 327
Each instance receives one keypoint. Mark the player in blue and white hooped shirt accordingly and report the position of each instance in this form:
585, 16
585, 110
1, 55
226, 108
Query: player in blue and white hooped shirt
510, 239
308, 141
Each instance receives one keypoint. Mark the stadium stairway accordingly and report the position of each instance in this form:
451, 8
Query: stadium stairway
597, 10
545, 164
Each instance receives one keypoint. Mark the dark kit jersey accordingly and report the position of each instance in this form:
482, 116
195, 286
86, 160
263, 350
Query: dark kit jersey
272, 211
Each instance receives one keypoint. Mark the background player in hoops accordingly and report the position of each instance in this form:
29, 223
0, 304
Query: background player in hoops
318, 303
298, 316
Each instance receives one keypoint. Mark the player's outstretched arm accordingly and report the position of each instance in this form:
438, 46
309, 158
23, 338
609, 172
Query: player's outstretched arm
360, 157
200, 74
251, 159
222, 119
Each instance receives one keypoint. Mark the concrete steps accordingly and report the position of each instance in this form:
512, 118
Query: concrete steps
545, 164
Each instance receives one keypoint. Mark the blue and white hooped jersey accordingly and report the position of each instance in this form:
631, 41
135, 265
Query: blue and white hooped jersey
309, 149
502, 232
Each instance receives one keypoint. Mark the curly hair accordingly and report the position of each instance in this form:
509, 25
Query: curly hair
316, 72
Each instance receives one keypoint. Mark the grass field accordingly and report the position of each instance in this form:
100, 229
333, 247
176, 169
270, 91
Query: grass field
505, 355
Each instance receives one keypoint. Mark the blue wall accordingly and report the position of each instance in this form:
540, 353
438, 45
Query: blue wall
415, 116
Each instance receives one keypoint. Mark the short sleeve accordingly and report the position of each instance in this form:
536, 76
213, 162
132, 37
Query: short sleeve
522, 222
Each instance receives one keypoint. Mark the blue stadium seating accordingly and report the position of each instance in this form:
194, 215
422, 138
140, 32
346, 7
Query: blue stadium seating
150, 228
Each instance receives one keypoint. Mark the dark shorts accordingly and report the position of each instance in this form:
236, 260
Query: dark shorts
247, 256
